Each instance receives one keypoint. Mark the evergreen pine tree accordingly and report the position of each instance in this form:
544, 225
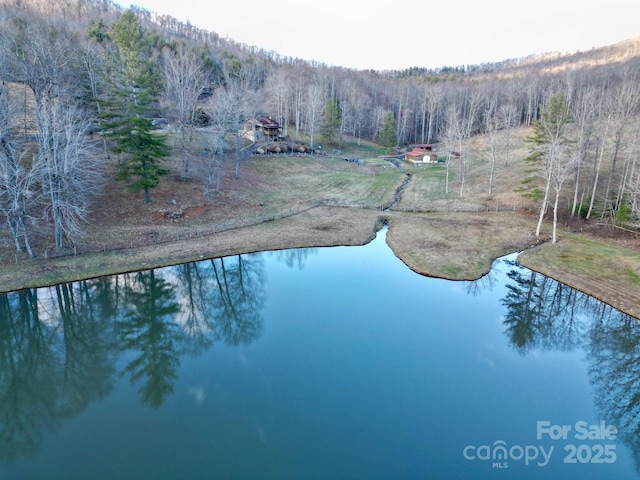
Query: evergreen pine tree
388, 136
330, 122
131, 99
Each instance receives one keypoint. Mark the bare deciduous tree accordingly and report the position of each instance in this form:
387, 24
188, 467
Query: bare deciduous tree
492, 124
46, 59
451, 137
601, 138
185, 79
18, 177
71, 168
559, 171
313, 107
278, 92
94, 64
625, 99
226, 108
507, 114
583, 110
549, 146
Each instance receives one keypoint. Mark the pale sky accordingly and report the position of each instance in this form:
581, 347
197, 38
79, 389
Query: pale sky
397, 34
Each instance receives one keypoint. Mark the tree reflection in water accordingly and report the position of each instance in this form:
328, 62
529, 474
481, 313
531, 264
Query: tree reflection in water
27, 361
147, 328
185, 310
545, 314
614, 370
59, 346
295, 257
542, 313
222, 300
54, 361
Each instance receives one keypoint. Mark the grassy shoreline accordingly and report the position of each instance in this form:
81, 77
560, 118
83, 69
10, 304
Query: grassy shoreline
451, 245
604, 271
314, 201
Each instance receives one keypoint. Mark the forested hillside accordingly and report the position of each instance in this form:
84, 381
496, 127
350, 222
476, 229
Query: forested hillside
85, 84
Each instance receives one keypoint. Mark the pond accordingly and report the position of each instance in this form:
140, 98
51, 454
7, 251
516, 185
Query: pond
317, 363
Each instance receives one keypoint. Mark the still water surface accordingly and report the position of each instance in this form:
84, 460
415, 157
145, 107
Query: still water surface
316, 363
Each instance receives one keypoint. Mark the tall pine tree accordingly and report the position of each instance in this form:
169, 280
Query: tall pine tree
132, 99
388, 136
330, 126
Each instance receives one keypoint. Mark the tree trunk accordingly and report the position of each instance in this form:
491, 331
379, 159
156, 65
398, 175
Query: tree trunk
543, 208
212, 169
57, 215
595, 182
493, 164
574, 206
13, 226
446, 181
555, 216
597, 166
59, 233
27, 240
237, 174
612, 169
463, 169
219, 177
184, 160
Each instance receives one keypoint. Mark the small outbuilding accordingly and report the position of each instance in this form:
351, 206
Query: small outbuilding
421, 153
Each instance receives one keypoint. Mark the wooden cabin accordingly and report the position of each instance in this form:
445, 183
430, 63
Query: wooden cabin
262, 129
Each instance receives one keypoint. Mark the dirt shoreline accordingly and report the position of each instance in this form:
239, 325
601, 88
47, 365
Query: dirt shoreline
452, 245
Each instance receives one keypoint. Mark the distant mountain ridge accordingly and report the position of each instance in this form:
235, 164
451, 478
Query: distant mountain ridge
553, 62
78, 14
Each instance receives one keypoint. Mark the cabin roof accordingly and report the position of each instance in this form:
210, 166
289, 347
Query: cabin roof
423, 146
